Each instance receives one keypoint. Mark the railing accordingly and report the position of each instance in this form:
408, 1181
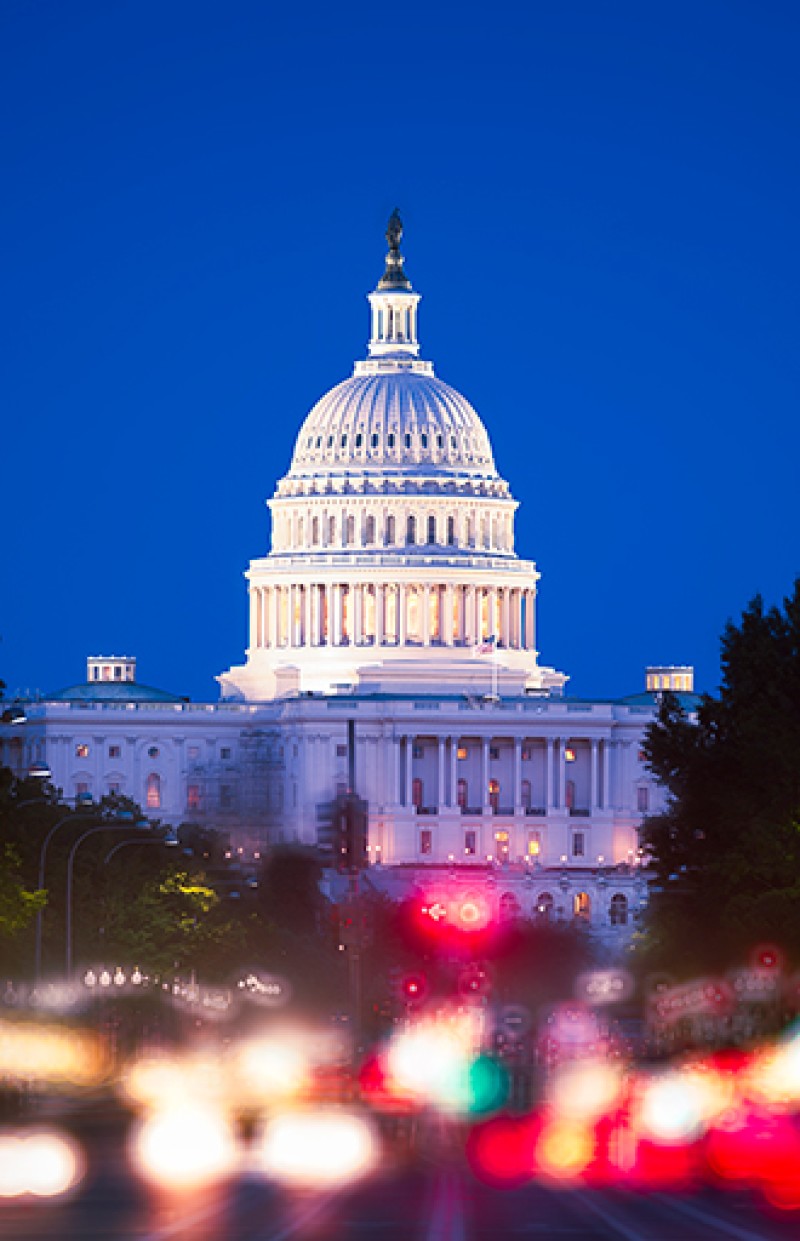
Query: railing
578, 812
473, 810
538, 812
427, 809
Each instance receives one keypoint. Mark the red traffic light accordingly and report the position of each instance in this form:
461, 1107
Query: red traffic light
413, 988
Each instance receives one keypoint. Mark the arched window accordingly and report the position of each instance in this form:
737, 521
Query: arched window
582, 906
390, 530
153, 797
525, 794
508, 907
451, 531
431, 529
350, 536
369, 531
462, 791
411, 530
416, 792
618, 909
494, 795
544, 906
315, 532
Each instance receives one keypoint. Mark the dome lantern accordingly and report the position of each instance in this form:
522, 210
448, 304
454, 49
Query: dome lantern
394, 304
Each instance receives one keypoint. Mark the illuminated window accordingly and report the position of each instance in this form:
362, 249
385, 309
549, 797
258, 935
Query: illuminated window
461, 793
193, 797
578, 844
153, 796
82, 750
544, 905
461, 752
534, 844
470, 843
494, 794
152, 751
106, 672
642, 800
526, 753
114, 751
426, 841
582, 906
569, 754
618, 909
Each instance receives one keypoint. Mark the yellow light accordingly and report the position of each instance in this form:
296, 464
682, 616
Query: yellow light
461, 752
569, 754
564, 1148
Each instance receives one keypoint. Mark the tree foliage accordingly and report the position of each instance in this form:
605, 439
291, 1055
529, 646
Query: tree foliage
726, 852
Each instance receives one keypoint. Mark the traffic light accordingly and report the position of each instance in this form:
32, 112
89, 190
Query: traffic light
342, 832
413, 989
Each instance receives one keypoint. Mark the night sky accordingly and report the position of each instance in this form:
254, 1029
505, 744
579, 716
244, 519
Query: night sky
601, 204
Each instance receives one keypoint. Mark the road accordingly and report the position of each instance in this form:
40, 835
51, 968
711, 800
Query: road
431, 1198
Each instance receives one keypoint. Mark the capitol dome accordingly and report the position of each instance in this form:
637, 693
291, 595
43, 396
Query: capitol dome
392, 551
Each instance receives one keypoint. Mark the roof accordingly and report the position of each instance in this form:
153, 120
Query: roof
112, 691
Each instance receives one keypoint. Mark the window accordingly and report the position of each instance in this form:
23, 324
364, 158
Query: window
350, 537
390, 529
642, 800
390, 439
152, 751
117, 672
408, 440
461, 793
440, 441
225, 752
544, 905
344, 441
494, 753
494, 795
82, 791
315, 531
418, 751
411, 530
526, 754
341, 751
193, 751
424, 440
569, 791
359, 440
618, 909
578, 844
431, 529
569, 754
426, 841
582, 906
451, 531
470, 844
96, 676
374, 440
525, 795
330, 441
114, 788
369, 533
416, 792
461, 752
153, 792
114, 751
82, 750
193, 797
534, 844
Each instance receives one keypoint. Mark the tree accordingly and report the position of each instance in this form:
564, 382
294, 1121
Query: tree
18, 904
726, 852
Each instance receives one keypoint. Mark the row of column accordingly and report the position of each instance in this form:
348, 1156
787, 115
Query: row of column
551, 796
339, 614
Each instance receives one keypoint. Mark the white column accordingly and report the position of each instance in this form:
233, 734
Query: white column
401, 614
549, 778
607, 798
265, 638
446, 620
594, 791
453, 771
529, 636
358, 614
517, 772
485, 771
276, 615
441, 802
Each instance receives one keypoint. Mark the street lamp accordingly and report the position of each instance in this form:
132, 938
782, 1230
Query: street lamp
170, 840
69, 818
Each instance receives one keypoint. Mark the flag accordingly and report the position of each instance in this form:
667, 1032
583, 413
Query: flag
486, 647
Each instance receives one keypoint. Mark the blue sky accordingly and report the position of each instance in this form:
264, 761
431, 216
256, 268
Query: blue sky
601, 205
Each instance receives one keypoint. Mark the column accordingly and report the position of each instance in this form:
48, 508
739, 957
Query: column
485, 773
255, 616
409, 777
594, 791
549, 781
308, 637
606, 769
562, 773
380, 592
453, 771
442, 800
266, 601
425, 606
446, 620
401, 614
517, 773
492, 610
358, 614
505, 623
336, 614
529, 638
275, 617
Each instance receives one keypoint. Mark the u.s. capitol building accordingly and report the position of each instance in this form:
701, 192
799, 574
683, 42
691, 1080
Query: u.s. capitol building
393, 596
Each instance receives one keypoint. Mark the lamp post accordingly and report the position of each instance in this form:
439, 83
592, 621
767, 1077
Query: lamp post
93, 831
69, 818
169, 840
